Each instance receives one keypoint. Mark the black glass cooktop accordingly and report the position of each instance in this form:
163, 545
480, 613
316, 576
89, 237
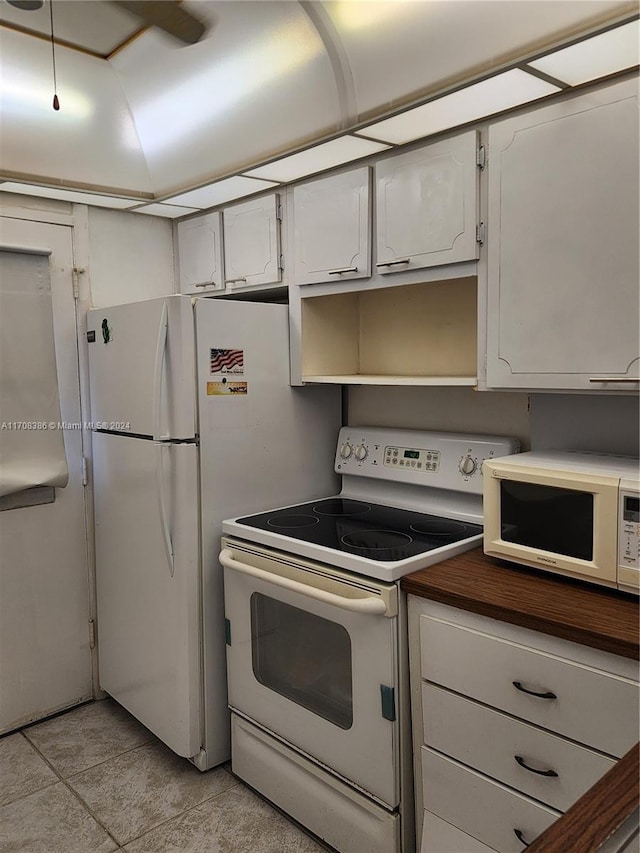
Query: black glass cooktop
368, 530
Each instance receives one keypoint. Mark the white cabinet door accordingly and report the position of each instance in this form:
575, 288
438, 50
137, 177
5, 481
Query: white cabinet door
563, 306
252, 243
200, 254
332, 220
427, 206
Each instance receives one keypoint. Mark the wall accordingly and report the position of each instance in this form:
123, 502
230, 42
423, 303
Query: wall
447, 409
130, 257
597, 423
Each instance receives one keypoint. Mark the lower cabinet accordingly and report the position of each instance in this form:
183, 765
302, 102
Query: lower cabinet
510, 727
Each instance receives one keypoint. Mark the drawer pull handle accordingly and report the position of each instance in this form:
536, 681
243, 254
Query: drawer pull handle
614, 379
343, 271
522, 763
394, 263
547, 695
520, 838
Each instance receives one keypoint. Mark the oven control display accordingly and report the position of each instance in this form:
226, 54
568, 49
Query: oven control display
427, 461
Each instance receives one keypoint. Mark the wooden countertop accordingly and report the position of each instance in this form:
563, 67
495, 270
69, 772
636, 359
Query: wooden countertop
597, 814
584, 613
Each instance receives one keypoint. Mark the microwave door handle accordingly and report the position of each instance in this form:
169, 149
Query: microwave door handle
161, 349
357, 605
162, 510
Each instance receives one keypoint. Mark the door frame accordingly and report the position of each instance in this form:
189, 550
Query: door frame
42, 211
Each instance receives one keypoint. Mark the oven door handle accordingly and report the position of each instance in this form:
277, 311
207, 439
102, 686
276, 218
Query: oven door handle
369, 605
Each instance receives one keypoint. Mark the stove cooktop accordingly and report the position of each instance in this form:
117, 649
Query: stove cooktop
367, 530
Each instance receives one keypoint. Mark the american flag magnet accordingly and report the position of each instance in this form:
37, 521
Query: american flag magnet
226, 361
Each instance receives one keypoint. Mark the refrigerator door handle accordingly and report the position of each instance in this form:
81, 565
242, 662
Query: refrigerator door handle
161, 349
162, 510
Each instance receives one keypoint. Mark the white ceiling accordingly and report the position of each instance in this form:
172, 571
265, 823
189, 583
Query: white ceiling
151, 118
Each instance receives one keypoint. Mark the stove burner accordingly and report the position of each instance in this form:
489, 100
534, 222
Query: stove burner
340, 526
376, 540
285, 521
341, 506
439, 527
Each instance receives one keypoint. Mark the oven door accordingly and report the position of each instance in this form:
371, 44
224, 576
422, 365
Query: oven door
312, 657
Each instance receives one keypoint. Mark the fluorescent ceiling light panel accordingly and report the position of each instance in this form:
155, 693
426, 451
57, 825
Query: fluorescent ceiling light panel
171, 211
218, 193
317, 159
493, 95
595, 57
67, 195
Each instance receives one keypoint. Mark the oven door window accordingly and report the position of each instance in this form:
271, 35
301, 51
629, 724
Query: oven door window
303, 657
546, 517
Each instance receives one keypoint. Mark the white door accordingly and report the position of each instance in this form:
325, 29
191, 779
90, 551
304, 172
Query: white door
45, 659
332, 219
311, 656
148, 583
427, 205
252, 242
142, 368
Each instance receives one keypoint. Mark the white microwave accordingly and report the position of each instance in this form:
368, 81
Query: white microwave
577, 514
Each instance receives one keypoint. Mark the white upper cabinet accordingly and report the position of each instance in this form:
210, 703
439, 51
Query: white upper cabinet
563, 296
427, 205
252, 243
332, 221
200, 254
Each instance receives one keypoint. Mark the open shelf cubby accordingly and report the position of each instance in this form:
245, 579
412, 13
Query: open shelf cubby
415, 334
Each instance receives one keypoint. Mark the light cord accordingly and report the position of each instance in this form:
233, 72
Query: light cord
56, 102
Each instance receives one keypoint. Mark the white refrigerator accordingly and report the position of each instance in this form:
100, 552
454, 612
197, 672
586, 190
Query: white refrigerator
193, 421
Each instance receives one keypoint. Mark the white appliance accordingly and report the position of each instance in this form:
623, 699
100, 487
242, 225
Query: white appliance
576, 514
193, 420
317, 644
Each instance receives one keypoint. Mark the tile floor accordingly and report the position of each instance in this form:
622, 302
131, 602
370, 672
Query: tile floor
94, 780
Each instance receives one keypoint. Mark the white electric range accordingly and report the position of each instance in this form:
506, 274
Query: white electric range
316, 629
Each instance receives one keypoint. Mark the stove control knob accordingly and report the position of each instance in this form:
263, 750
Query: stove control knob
467, 465
346, 450
361, 453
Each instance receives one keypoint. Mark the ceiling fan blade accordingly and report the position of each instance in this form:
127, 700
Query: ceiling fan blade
26, 5
168, 15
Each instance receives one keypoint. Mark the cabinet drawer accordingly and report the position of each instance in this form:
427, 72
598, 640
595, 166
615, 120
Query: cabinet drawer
438, 836
493, 814
451, 724
585, 704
